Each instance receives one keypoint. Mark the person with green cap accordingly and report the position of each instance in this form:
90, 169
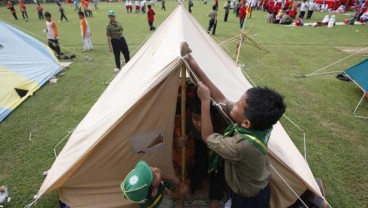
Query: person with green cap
144, 185
116, 40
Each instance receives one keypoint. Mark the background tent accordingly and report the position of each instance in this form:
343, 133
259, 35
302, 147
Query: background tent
25, 65
139, 106
359, 75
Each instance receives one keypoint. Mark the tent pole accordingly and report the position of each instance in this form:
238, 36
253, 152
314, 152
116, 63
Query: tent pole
183, 126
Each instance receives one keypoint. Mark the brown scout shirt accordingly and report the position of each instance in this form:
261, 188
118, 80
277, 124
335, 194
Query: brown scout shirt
247, 170
114, 30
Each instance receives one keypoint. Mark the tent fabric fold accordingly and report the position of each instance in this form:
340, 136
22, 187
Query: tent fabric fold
26, 68
139, 106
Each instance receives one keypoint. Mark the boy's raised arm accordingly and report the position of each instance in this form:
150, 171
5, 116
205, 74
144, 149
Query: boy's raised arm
216, 94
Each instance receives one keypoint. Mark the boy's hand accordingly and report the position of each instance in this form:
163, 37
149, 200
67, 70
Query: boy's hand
203, 92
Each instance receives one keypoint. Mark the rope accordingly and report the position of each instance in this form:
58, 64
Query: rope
41, 38
35, 198
304, 138
301, 200
313, 73
66, 136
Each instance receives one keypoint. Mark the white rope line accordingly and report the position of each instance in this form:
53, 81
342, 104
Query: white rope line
66, 136
311, 74
301, 200
35, 198
248, 78
304, 137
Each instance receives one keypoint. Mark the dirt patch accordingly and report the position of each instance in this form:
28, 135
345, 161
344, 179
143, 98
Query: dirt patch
363, 51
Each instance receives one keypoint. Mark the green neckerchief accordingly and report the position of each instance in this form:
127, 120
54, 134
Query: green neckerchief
258, 138
155, 201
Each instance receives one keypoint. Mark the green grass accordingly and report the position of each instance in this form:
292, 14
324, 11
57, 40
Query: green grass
320, 105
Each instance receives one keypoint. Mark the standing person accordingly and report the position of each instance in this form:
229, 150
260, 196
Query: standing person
52, 35
248, 10
130, 6
151, 17
190, 5
10, 6
237, 8
216, 4
242, 14
243, 147
303, 8
143, 6
227, 10
163, 5
199, 169
137, 6
213, 20
23, 9
85, 33
311, 8
62, 14
40, 11
95, 2
146, 186
116, 40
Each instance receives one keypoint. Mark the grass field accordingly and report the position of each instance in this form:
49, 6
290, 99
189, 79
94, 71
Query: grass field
320, 105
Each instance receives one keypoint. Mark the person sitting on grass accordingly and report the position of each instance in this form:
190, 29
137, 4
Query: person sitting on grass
243, 147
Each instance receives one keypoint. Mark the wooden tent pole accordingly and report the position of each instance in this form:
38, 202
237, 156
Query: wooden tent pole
183, 124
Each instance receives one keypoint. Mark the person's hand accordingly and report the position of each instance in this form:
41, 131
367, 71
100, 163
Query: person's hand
183, 189
203, 92
110, 49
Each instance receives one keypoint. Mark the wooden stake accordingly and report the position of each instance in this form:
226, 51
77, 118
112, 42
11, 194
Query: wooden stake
183, 126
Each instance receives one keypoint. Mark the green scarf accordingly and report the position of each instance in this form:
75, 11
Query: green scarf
258, 138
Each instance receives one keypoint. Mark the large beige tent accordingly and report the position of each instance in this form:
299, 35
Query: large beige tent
139, 106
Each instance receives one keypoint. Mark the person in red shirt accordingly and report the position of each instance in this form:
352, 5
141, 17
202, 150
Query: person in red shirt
242, 13
23, 10
40, 11
10, 6
293, 13
151, 17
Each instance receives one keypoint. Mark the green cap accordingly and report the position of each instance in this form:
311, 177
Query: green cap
136, 184
111, 13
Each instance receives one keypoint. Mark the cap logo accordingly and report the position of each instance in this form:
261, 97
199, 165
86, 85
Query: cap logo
133, 180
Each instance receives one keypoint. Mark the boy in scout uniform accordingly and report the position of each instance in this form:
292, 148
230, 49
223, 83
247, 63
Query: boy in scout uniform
243, 146
144, 185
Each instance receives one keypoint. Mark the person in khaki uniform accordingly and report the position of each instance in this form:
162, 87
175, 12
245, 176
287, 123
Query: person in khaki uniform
243, 147
116, 40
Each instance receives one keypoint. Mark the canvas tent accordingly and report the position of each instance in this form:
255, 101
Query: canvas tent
139, 106
359, 75
25, 65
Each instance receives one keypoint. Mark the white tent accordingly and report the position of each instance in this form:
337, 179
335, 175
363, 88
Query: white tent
139, 106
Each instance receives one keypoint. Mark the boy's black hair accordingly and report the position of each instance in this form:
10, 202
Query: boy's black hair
264, 107
47, 14
149, 6
214, 7
81, 13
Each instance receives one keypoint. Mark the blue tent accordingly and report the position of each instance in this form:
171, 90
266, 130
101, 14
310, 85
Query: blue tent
359, 75
25, 65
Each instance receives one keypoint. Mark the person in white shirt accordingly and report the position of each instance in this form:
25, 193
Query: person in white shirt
311, 8
303, 9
